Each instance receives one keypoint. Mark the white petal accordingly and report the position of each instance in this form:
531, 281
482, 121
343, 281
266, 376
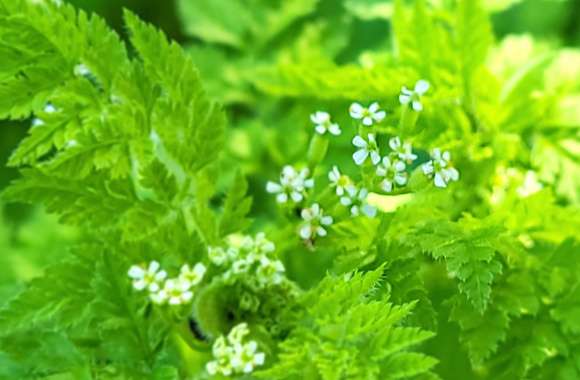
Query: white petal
359, 142
427, 167
395, 143
400, 179
345, 201
339, 191
417, 106
139, 284
371, 138
446, 156
360, 156
259, 358
306, 232
436, 153
404, 99
334, 174
320, 129
452, 174
272, 187
374, 107
381, 171
387, 186
421, 87
399, 166
375, 157
309, 183
315, 209
362, 194
153, 267
369, 210
439, 180
351, 190
306, 214
354, 211
334, 129
136, 272
321, 231
379, 116
161, 275
368, 121
356, 110
326, 220
282, 198
296, 196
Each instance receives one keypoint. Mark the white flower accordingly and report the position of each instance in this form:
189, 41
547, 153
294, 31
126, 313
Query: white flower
270, 272
366, 148
293, 185
314, 220
176, 292
245, 357
49, 108
192, 276
530, 186
404, 151
367, 115
414, 96
259, 244
82, 70
323, 124
241, 266
147, 278
439, 168
357, 201
394, 173
234, 356
238, 333
217, 255
338, 180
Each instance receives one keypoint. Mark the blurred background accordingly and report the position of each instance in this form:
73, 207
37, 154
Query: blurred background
223, 46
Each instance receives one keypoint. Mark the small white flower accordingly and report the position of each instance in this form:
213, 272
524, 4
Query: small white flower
414, 96
82, 70
323, 124
530, 186
49, 108
368, 115
394, 173
270, 272
245, 357
357, 201
293, 185
314, 222
217, 255
259, 244
192, 276
147, 278
241, 266
177, 292
338, 180
404, 151
439, 168
366, 148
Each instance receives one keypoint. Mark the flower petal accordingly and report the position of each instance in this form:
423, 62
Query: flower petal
306, 232
369, 210
417, 106
282, 198
379, 116
320, 129
395, 143
421, 87
368, 121
359, 142
356, 110
375, 157
439, 180
272, 187
360, 156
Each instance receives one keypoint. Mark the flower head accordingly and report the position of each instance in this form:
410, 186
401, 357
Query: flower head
368, 115
413, 97
192, 276
356, 200
439, 168
293, 185
234, 355
270, 271
366, 148
174, 292
314, 222
403, 151
338, 180
323, 124
147, 278
394, 173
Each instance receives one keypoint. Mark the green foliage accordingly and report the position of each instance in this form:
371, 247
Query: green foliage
348, 329
477, 280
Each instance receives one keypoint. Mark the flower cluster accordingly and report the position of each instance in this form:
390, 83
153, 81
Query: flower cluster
234, 355
251, 255
292, 186
174, 291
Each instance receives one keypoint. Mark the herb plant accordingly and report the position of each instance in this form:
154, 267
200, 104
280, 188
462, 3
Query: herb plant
409, 213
